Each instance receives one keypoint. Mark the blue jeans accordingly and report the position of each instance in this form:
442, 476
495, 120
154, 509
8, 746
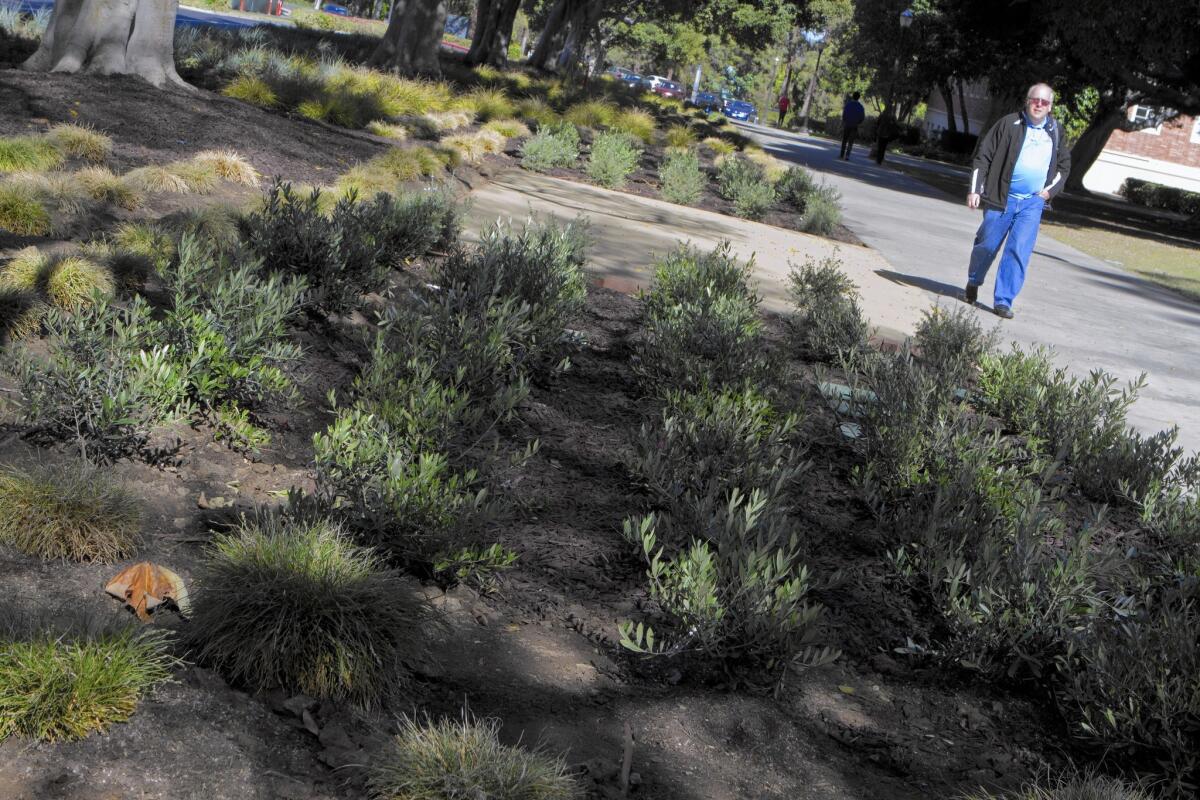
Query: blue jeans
1018, 222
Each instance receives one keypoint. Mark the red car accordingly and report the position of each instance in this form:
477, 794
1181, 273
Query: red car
669, 89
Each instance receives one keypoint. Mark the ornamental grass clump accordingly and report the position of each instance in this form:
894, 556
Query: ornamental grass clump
464, 760
635, 122
682, 179
105, 187
681, 136
23, 214
827, 324
1082, 787
508, 128
702, 328
591, 114
21, 313
29, 154
326, 619
67, 677
612, 159
80, 141
74, 282
74, 513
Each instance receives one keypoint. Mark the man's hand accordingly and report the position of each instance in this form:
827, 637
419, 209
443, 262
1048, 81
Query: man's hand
1045, 195
972, 200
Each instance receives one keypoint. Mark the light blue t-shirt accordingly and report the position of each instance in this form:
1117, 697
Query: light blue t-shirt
1029, 175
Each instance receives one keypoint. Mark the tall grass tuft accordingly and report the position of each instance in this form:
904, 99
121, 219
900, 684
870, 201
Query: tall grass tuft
81, 141
227, 165
64, 682
28, 154
22, 214
75, 281
74, 513
448, 760
325, 618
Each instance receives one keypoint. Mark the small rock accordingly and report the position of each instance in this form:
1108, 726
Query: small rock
335, 736
310, 723
180, 523
337, 757
298, 704
674, 676
635, 779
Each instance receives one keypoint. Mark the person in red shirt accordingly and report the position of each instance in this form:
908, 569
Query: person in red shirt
783, 107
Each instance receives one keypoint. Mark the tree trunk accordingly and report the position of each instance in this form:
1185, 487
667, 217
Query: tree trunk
962, 107
111, 37
585, 14
811, 90
1109, 114
504, 30
948, 96
485, 28
550, 36
414, 34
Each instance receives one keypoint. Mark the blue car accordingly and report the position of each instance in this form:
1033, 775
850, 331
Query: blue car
706, 100
740, 109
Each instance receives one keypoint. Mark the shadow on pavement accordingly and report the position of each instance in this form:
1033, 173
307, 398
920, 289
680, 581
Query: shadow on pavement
921, 282
1132, 284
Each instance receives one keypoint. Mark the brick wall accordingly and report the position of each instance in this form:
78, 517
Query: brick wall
1172, 143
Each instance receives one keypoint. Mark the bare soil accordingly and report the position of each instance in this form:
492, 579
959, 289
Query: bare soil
541, 652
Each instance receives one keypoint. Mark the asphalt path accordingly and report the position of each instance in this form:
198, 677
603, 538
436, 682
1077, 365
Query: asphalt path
1092, 314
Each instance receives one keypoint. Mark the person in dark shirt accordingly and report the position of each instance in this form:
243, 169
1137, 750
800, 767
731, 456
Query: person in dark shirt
853, 115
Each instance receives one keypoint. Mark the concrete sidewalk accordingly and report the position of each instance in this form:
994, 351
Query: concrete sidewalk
1094, 315
629, 233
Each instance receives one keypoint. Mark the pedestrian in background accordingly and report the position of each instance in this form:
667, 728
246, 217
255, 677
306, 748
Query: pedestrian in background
1020, 165
783, 107
853, 115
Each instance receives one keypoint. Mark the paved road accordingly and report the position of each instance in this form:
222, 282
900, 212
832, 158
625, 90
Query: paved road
1094, 315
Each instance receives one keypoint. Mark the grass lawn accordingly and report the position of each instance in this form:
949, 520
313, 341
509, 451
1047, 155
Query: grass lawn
1174, 266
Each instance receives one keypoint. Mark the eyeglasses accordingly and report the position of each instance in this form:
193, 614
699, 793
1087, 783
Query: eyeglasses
1040, 101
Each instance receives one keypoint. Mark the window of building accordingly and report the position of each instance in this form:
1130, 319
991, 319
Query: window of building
1144, 114
1196, 130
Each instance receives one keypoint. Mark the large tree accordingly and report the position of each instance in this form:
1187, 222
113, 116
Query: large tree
493, 32
110, 37
414, 33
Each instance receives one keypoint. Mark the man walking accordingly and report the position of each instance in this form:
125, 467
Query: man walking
784, 102
853, 115
1020, 165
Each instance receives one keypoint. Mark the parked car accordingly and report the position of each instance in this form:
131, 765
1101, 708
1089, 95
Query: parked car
706, 100
620, 73
668, 89
740, 109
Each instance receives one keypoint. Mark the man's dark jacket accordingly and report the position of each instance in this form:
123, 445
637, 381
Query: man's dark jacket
996, 157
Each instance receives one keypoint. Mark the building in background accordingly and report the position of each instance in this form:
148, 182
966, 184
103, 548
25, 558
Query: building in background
1168, 153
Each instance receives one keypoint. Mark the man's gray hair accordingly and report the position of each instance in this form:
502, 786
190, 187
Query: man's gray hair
1046, 86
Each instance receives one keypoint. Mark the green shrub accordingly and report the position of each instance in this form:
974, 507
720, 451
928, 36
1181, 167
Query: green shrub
701, 323
105, 381
386, 474
551, 147
745, 184
953, 343
327, 619
75, 513
795, 187
65, 680
1132, 689
22, 213
741, 601
418, 222
707, 444
612, 159
904, 412
822, 212
683, 181
992, 555
1085, 787
227, 328
28, 154
540, 267
828, 323
476, 566
340, 256
448, 760
1155, 195
1132, 467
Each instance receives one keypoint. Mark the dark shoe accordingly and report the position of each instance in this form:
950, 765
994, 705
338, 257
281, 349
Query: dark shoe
1003, 311
971, 294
